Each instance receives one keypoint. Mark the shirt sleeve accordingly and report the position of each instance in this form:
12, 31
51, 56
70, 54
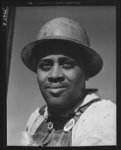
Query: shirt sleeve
97, 126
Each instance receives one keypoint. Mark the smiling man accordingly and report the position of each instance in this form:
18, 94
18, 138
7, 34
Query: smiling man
61, 81
73, 115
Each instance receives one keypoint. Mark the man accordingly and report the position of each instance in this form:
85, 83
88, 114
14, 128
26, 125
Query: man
74, 116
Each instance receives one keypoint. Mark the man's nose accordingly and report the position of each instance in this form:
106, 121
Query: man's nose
56, 75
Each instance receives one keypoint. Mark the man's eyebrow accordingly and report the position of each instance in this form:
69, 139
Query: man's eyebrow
60, 59
66, 59
45, 60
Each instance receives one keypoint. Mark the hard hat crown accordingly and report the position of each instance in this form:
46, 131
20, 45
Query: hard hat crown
64, 28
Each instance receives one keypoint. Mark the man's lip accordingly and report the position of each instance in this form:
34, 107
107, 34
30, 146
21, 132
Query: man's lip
53, 86
56, 90
56, 87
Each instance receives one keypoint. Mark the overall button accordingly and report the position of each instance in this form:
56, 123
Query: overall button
50, 126
69, 125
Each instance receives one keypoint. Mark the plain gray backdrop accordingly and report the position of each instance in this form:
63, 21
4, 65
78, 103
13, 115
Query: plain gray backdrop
23, 92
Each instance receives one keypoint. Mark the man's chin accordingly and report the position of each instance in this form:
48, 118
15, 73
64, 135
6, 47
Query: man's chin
56, 103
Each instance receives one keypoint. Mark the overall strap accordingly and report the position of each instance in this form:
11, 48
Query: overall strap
71, 123
36, 118
84, 107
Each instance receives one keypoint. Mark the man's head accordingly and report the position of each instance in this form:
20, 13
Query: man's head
62, 40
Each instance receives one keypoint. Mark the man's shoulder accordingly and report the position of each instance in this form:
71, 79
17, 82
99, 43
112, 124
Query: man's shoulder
97, 125
100, 113
103, 108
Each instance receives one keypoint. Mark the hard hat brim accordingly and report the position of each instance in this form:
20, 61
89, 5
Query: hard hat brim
88, 57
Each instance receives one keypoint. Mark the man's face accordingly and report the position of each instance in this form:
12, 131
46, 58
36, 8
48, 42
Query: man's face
60, 79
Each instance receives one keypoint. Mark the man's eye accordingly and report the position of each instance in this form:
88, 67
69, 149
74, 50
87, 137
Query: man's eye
69, 65
44, 66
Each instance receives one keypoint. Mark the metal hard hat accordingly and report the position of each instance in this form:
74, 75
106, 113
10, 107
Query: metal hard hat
63, 36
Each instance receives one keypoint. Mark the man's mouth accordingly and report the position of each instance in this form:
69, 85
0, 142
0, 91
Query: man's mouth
56, 90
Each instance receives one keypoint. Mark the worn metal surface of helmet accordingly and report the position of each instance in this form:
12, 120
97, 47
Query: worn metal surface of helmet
63, 36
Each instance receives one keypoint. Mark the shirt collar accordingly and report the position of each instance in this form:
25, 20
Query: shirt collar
90, 97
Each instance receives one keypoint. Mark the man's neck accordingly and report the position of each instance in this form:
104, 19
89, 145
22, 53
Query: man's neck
66, 110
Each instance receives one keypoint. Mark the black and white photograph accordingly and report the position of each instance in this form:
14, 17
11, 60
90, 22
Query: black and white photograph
62, 76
